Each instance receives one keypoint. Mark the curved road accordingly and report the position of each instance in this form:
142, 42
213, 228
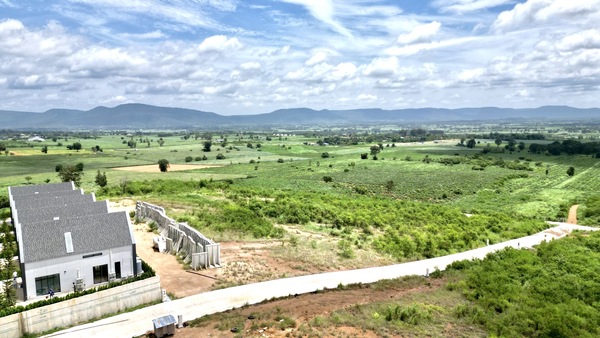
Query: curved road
140, 321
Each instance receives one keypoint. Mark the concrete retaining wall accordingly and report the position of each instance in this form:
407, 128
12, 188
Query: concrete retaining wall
81, 309
182, 239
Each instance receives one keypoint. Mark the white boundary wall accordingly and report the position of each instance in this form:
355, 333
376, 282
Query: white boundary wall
189, 243
70, 312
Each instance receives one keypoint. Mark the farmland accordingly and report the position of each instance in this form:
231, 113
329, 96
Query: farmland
326, 199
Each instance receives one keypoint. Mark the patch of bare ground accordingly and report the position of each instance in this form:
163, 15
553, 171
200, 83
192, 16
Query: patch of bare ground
304, 315
153, 168
251, 261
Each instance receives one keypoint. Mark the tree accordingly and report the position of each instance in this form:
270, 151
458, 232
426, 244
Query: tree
521, 146
471, 143
189, 159
70, 173
498, 142
389, 185
163, 165
123, 184
79, 166
161, 142
206, 146
101, 180
45, 149
325, 155
364, 156
571, 171
375, 149
76, 146
28, 179
58, 167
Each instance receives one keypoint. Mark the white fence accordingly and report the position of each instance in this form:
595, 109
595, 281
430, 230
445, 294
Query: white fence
197, 250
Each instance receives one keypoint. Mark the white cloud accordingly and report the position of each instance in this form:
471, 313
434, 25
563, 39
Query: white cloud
36, 81
190, 13
366, 97
318, 57
471, 75
7, 3
322, 10
157, 34
465, 6
533, 12
419, 47
382, 67
342, 71
421, 33
588, 39
103, 62
15, 39
218, 43
251, 65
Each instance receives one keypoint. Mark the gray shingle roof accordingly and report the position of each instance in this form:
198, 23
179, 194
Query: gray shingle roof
44, 214
34, 203
31, 189
46, 240
42, 195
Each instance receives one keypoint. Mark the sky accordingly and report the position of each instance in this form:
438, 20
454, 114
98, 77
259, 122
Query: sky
235, 57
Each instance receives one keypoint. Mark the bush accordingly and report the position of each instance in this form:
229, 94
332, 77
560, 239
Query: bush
327, 179
345, 249
280, 160
220, 156
188, 159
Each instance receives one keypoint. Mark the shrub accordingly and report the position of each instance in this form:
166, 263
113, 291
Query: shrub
327, 179
280, 160
220, 156
345, 249
188, 159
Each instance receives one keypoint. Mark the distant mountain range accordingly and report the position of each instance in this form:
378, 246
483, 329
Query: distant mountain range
141, 116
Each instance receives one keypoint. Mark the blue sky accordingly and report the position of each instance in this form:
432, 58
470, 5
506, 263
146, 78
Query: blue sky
248, 57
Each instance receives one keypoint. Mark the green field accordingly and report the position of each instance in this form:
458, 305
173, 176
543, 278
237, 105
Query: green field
356, 195
283, 180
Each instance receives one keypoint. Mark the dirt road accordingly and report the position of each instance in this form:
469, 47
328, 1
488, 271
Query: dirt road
573, 215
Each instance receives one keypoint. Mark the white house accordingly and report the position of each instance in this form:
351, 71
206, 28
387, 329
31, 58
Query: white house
68, 241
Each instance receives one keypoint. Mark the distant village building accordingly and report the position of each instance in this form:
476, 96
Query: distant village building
36, 139
69, 241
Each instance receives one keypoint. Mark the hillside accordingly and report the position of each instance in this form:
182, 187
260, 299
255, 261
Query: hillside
134, 116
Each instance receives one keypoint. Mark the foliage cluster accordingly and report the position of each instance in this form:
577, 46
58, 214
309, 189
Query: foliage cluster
408, 229
8, 250
552, 291
569, 147
590, 214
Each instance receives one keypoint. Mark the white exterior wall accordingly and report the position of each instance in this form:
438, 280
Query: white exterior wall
67, 268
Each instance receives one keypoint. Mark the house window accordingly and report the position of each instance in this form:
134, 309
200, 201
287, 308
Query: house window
44, 284
101, 274
118, 270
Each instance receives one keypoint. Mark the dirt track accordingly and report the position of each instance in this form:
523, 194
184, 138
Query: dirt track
573, 215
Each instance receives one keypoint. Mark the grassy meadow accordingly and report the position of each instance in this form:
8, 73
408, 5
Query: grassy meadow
291, 179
